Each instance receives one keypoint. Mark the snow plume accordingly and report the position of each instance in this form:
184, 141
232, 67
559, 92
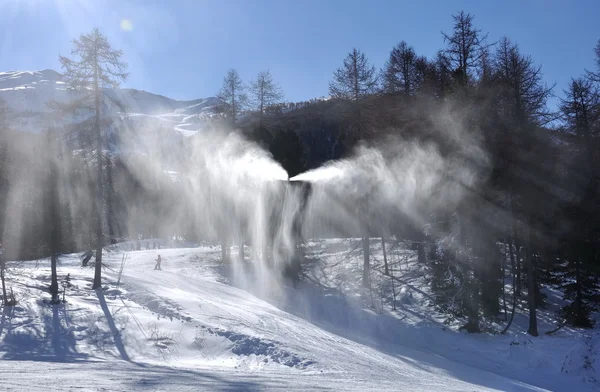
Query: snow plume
238, 193
219, 186
228, 190
396, 181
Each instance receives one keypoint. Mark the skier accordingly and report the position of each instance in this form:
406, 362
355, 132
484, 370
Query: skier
157, 266
86, 257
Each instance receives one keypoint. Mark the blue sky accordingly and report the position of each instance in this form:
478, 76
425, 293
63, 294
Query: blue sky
182, 48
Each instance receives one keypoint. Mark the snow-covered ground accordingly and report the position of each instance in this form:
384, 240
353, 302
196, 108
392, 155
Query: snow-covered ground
196, 326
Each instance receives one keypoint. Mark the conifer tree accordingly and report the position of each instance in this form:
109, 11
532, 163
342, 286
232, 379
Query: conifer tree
356, 79
264, 92
233, 95
93, 71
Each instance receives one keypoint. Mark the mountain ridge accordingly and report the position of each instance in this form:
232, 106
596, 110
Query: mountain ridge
26, 95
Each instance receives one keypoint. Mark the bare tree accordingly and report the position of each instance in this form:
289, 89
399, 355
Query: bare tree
581, 115
442, 73
265, 92
521, 103
595, 75
580, 110
466, 47
402, 74
523, 94
233, 95
53, 221
3, 193
355, 79
95, 70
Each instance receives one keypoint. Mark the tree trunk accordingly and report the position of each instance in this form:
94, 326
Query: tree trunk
504, 286
514, 276
474, 304
421, 256
110, 202
55, 235
393, 288
2, 271
233, 108
224, 250
385, 263
471, 296
54, 280
366, 265
99, 189
262, 104
578, 296
241, 251
532, 330
519, 278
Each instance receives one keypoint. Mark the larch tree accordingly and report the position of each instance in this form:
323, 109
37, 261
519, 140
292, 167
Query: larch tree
356, 79
403, 72
522, 98
595, 75
93, 71
580, 109
458, 66
52, 209
264, 93
465, 48
4, 185
442, 74
233, 95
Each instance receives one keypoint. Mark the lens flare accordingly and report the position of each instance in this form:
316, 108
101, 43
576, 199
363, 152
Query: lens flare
126, 25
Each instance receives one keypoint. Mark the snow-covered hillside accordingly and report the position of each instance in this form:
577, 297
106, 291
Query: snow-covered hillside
194, 326
26, 94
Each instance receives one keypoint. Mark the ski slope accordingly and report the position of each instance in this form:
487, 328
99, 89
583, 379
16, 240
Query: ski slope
27, 95
192, 327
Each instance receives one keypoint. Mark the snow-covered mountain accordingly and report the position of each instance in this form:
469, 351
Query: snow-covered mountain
26, 95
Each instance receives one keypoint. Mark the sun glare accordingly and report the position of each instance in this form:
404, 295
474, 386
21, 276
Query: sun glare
126, 25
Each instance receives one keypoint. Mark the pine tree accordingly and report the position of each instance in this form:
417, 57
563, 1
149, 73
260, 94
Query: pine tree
233, 95
265, 92
356, 79
95, 69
